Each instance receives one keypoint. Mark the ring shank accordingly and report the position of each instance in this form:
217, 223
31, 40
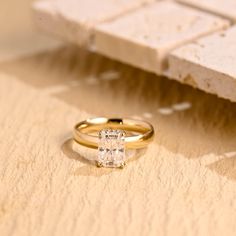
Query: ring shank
86, 132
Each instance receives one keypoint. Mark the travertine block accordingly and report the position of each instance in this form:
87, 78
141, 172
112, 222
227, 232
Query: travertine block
144, 37
74, 20
208, 64
46, 17
225, 8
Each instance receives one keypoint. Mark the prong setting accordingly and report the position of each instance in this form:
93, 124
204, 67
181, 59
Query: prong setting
122, 166
98, 164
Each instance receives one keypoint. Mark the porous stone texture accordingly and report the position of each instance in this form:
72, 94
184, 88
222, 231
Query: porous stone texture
74, 20
208, 64
144, 37
225, 8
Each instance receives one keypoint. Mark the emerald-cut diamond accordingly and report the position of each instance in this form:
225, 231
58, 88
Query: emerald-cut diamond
111, 148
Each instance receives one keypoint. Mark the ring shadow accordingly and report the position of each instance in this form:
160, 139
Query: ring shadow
76, 77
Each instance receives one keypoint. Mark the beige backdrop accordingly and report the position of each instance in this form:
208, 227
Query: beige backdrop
185, 184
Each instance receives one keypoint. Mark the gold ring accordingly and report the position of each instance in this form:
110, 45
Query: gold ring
112, 136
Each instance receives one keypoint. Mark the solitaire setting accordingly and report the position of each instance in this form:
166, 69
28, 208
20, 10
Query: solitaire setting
111, 148
113, 138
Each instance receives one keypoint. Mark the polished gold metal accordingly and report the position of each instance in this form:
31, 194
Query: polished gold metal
98, 164
122, 166
138, 133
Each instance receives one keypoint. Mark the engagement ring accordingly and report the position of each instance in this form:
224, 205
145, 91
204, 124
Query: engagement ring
112, 137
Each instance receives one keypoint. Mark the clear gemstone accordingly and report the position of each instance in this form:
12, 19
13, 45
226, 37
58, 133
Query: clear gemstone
111, 148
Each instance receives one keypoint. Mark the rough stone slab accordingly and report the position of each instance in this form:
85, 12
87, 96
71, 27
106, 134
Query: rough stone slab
74, 20
225, 8
184, 184
208, 64
144, 37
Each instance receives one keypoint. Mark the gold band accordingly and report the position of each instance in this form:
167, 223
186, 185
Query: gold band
140, 133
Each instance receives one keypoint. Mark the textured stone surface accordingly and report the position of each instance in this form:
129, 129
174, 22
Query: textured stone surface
133, 38
225, 8
74, 20
185, 183
208, 64
143, 38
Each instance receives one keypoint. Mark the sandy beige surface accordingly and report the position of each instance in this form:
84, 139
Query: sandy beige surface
185, 183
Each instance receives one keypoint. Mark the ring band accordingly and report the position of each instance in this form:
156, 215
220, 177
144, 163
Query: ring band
112, 136
83, 130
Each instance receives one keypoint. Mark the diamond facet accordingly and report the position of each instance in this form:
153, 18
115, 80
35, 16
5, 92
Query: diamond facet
111, 148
